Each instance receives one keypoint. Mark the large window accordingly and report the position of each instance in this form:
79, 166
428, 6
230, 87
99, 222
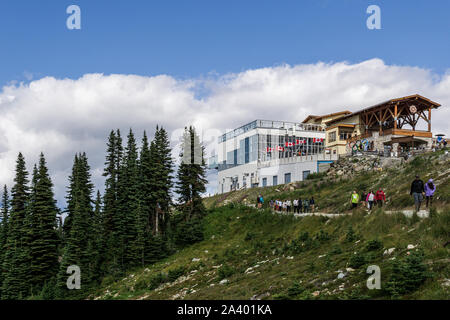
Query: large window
264, 182
287, 178
332, 136
344, 134
275, 180
306, 174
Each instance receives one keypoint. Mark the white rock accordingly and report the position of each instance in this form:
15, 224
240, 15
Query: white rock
322, 256
224, 281
350, 269
206, 251
411, 246
388, 251
341, 275
195, 259
290, 258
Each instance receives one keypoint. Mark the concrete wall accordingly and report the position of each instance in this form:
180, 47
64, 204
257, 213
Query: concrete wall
295, 169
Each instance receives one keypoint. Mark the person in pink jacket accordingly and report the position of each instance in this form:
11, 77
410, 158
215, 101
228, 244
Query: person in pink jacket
370, 199
430, 188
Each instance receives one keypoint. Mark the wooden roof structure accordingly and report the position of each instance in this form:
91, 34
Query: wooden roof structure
345, 112
394, 113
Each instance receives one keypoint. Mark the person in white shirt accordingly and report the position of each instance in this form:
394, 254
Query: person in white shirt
288, 205
295, 205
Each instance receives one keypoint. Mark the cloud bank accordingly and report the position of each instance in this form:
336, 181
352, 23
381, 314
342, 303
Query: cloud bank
63, 116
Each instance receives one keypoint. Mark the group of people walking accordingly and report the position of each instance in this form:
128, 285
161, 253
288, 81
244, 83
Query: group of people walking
295, 206
368, 199
418, 190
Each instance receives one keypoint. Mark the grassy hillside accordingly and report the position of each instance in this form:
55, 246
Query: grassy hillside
249, 253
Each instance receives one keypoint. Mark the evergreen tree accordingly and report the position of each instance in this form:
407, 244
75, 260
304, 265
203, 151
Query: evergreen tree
4, 215
163, 167
16, 269
143, 227
80, 249
111, 212
44, 244
98, 234
129, 203
190, 186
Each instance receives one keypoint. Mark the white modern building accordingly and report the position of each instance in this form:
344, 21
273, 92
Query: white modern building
266, 153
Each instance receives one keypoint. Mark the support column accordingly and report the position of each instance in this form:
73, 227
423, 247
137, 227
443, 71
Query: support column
429, 119
380, 123
395, 117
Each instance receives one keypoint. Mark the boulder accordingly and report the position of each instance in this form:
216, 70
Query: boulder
388, 251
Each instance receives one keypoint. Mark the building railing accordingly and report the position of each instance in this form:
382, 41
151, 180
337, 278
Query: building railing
407, 132
269, 124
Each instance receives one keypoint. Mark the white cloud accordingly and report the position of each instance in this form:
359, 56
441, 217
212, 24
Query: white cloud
64, 116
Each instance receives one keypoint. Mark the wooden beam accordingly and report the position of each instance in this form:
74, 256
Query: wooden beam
395, 116
429, 119
380, 123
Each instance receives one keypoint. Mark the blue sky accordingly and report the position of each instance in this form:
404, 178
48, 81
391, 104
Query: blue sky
195, 38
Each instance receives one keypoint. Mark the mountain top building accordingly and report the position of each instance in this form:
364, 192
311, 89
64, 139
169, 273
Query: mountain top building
394, 126
267, 153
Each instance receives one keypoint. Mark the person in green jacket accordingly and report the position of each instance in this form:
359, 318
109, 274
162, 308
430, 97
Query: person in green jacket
355, 199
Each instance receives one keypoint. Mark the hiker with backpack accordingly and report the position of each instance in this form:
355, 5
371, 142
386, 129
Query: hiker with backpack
370, 199
417, 189
380, 197
430, 188
258, 202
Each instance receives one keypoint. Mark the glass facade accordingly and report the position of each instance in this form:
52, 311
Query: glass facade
268, 146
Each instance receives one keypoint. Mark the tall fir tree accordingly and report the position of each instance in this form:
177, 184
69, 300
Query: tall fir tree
15, 264
190, 186
44, 244
163, 168
111, 232
98, 234
80, 249
129, 203
4, 215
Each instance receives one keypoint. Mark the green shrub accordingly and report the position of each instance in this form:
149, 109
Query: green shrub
295, 289
373, 245
175, 273
350, 236
225, 271
336, 250
316, 175
407, 274
303, 236
322, 236
249, 236
157, 280
357, 260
